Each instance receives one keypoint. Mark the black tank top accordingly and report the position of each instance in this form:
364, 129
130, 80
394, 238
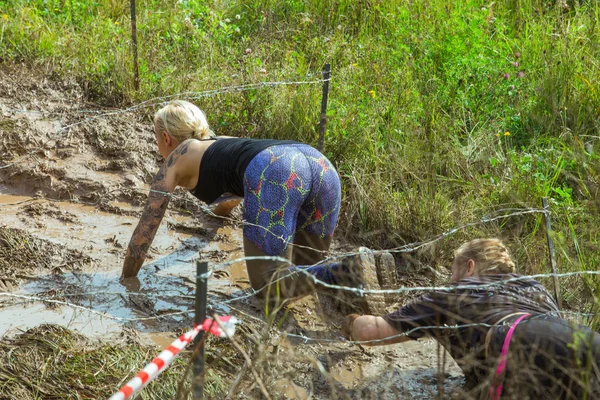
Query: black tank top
224, 163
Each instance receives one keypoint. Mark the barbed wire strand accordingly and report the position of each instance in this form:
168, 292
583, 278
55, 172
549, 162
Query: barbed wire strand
305, 338
411, 247
91, 310
158, 101
360, 291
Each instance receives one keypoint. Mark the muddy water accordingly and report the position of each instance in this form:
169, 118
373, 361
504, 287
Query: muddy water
80, 226
409, 370
160, 299
106, 160
29, 315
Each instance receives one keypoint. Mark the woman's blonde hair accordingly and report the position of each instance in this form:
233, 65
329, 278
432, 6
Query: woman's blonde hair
490, 255
182, 120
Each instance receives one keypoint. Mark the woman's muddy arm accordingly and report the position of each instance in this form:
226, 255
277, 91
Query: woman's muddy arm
223, 205
158, 200
376, 329
163, 185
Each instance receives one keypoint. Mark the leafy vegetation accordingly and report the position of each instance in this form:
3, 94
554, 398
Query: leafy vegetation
439, 113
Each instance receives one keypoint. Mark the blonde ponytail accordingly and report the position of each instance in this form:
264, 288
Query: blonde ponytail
490, 255
183, 120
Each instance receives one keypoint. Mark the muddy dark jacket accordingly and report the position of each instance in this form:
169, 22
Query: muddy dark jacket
457, 317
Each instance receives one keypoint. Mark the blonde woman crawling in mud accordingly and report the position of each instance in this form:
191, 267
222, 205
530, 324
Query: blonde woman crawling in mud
291, 200
504, 330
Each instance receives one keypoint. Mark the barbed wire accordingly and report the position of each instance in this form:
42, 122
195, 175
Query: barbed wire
401, 249
404, 289
362, 292
357, 290
159, 101
407, 248
411, 247
253, 292
307, 78
277, 331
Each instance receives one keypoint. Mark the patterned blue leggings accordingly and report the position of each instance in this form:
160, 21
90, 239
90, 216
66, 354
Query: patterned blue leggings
287, 189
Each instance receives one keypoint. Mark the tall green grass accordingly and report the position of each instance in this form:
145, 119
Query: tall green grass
439, 113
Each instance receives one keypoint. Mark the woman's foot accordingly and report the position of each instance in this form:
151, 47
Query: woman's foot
362, 274
386, 273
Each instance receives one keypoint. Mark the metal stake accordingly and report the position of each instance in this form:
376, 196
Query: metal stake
201, 295
551, 252
136, 74
326, 74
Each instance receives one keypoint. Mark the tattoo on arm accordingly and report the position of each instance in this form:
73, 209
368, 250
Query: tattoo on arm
158, 200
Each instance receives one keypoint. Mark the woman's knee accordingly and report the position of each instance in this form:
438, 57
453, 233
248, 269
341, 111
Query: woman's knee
262, 268
262, 272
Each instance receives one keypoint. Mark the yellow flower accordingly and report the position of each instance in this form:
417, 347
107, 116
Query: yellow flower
354, 64
372, 93
5, 17
497, 134
506, 133
116, 22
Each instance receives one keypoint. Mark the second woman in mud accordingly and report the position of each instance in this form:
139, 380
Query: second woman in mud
291, 195
504, 330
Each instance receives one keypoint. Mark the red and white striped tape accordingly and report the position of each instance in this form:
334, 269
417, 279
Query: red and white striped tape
164, 359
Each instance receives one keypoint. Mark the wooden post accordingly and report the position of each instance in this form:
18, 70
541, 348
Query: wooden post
326, 74
551, 252
201, 294
136, 74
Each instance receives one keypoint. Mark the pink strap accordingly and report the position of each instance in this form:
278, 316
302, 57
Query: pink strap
496, 388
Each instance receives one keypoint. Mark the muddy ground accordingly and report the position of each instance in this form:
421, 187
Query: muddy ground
73, 180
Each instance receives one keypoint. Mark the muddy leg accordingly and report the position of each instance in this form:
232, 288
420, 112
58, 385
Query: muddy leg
274, 279
365, 270
309, 249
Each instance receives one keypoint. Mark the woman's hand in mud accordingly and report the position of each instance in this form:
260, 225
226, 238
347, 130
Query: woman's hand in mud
347, 325
132, 284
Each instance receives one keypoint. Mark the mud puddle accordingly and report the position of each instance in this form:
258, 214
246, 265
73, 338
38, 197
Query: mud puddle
160, 299
409, 370
22, 317
102, 235
69, 205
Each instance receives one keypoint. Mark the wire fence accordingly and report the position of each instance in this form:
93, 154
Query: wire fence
300, 338
156, 102
239, 298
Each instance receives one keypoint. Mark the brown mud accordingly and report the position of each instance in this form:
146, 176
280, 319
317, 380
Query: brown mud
70, 199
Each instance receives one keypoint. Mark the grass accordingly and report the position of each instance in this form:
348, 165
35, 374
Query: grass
21, 253
50, 361
438, 113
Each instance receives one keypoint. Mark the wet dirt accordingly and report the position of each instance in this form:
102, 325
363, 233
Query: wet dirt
72, 186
